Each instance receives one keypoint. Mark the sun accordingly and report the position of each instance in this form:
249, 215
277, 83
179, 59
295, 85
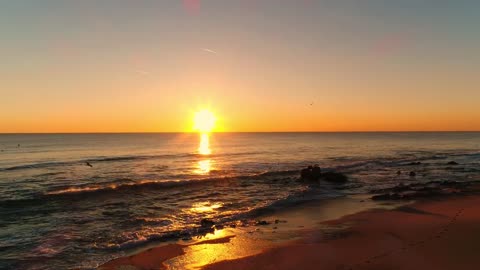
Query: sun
204, 121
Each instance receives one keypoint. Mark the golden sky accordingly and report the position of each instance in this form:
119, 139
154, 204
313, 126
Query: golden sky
148, 66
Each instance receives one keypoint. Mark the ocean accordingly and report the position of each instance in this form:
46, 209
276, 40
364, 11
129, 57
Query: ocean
74, 201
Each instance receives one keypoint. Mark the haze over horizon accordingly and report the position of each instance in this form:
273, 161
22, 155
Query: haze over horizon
148, 66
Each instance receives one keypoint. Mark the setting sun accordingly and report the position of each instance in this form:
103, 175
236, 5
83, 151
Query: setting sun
204, 121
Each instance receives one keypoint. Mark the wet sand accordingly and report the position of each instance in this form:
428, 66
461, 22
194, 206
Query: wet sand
431, 234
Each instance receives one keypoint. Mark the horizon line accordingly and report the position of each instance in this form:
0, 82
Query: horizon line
194, 132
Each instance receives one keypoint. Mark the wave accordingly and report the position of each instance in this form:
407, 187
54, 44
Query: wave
163, 183
114, 159
130, 185
247, 218
91, 160
121, 186
33, 166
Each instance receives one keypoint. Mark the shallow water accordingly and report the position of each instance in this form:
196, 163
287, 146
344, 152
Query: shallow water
57, 212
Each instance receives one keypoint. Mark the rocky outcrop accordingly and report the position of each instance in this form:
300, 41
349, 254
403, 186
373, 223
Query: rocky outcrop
207, 223
420, 190
311, 173
314, 173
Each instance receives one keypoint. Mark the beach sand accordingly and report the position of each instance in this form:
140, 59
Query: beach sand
441, 233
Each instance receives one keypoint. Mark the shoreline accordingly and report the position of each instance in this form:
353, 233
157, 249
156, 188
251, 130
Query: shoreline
391, 235
282, 226
439, 233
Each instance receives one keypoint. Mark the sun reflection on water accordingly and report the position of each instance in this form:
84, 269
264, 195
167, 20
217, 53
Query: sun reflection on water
204, 147
202, 207
220, 246
204, 166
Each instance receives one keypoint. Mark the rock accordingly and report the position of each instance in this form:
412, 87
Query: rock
205, 230
306, 173
207, 223
334, 177
452, 163
262, 223
311, 173
412, 174
421, 190
316, 172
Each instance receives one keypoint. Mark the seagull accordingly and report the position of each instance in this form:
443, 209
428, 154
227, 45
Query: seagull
88, 164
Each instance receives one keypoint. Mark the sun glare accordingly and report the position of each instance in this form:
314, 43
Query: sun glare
204, 121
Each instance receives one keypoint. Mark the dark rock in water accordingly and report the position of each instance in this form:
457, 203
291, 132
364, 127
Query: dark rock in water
412, 174
280, 221
421, 190
316, 172
334, 177
262, 222
311, 173
187, 238
452, 163
207, 223
306, 173
399, 172
205, 230
415, 163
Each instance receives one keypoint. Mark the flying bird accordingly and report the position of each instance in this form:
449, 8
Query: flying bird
88, 164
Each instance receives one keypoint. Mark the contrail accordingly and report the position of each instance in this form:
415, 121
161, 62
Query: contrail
209, 51
143, 72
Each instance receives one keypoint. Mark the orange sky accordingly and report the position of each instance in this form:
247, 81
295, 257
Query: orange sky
138, 67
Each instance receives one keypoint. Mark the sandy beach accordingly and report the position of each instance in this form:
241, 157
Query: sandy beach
438, 233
